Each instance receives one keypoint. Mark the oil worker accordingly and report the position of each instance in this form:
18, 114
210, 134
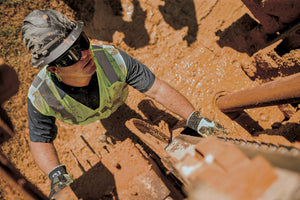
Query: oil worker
80, 83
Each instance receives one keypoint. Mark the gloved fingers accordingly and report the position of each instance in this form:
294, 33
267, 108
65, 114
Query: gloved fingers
204, 126
55, 190
208, 127
59, 183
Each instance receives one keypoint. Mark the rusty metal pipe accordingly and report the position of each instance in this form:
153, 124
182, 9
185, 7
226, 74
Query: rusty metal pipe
281, 91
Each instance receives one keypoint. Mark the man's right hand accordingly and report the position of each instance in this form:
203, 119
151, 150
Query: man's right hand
59, 179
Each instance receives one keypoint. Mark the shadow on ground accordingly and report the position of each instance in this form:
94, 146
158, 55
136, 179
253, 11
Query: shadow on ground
290, 131
246, 35
179, 14
97, 183
238, 36
103, 18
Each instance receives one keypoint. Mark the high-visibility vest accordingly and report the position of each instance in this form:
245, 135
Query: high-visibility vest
113, 90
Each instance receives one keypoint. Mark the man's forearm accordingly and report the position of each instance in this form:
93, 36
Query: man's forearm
170, 98
44, 155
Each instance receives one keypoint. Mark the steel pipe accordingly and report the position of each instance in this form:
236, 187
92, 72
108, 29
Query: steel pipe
281, 91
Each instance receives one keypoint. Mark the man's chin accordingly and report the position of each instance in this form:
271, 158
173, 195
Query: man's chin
90, 68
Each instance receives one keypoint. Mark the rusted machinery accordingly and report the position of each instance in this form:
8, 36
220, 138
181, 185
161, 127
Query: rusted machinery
223, 168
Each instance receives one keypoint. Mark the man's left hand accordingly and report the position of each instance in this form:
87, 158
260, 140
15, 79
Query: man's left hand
204, 126
59, 180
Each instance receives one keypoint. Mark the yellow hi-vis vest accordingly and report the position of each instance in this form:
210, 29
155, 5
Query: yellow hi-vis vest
113, 91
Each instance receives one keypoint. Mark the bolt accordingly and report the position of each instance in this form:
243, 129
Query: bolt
103, 138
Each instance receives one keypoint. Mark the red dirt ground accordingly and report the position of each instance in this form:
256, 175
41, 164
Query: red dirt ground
199, 47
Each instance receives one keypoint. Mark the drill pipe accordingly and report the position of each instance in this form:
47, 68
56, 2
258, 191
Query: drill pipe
281, 91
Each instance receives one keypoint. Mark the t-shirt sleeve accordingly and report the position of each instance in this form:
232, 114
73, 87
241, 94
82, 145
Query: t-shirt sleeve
139, 75
42, 128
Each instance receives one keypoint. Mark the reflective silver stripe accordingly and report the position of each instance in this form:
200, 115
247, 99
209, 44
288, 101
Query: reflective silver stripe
37, 81
53, 103
106, 66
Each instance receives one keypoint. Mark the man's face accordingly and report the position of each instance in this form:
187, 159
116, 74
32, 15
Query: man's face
77, 61
85, 67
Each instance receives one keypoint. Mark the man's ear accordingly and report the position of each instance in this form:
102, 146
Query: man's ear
52, 69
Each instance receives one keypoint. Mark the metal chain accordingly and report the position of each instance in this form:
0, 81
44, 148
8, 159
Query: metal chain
263, 146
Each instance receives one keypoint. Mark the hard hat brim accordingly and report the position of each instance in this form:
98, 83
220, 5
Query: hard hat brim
61, 48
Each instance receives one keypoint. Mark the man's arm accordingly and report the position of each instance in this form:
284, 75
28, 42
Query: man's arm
166, 95
177, 103
44, 155
42, 132
141, 78
46, 158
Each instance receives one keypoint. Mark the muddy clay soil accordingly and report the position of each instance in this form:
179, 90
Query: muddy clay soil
201, 48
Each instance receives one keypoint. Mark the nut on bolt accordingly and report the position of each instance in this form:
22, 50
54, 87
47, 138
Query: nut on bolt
103, 138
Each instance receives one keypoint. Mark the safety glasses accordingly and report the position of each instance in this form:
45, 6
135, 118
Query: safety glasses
73, 54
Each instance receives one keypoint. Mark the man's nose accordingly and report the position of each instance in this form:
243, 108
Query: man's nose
84, 54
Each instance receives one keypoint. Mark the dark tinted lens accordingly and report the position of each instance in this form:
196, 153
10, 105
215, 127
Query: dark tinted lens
73, 55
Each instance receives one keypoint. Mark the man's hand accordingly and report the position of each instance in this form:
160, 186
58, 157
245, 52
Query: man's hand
204, 126
59, 179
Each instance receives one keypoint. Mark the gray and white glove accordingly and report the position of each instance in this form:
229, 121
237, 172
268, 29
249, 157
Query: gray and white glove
204, 126
59, 179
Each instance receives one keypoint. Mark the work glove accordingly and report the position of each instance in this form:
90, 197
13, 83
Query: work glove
59, 179
204, 126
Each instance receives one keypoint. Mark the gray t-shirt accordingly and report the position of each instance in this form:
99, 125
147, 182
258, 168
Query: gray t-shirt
42, 128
